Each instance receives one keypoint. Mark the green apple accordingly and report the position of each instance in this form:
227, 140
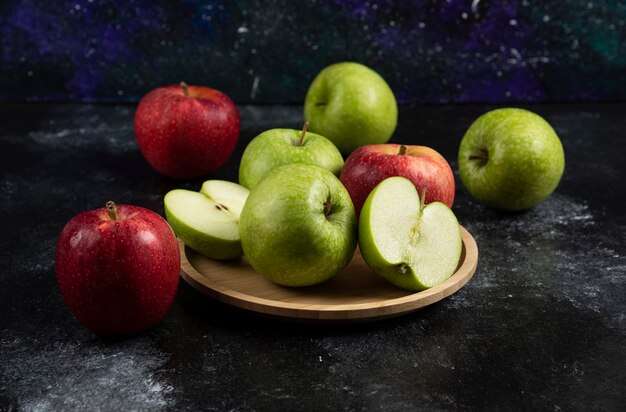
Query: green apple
411, 245
208, 221
511, 159
351, 105
279, 147
298, 227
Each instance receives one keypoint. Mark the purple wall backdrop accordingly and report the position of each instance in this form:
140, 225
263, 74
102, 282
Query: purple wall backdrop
269, 51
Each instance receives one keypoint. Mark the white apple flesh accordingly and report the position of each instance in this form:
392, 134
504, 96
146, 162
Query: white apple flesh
411, 245
208, 221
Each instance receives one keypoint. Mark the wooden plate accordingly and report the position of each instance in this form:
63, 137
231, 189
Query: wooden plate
356, 294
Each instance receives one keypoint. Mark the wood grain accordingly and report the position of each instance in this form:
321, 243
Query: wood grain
355, 294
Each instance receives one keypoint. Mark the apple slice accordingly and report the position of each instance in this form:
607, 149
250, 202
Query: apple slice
208, 221
411, 245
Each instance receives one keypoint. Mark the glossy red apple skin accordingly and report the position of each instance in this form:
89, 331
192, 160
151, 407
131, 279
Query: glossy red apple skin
369, 165
186, 131
118, 277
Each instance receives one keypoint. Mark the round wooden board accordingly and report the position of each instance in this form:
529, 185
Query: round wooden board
356, 294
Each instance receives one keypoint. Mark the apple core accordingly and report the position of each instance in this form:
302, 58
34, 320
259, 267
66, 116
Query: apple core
412, 245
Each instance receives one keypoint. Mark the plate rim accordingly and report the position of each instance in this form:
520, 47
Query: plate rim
339, 312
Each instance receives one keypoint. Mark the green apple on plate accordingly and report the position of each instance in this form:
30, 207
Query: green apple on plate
351, 105
279, 147
411, 245
511, 159
298, 226
208, 221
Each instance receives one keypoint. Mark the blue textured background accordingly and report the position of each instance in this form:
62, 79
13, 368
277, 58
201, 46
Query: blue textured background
269, 51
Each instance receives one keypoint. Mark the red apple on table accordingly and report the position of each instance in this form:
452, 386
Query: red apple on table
186, 131
118, 268
369, 165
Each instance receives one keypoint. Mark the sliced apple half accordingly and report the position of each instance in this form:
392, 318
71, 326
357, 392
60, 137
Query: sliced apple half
411, 245
208, 221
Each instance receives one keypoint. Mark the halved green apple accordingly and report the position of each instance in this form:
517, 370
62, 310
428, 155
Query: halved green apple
208, 221
412, 245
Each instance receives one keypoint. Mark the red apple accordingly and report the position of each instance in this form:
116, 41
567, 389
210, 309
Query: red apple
186, 131
118, 268
369, 165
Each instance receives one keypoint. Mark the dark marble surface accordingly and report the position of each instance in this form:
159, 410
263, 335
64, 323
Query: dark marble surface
541, 326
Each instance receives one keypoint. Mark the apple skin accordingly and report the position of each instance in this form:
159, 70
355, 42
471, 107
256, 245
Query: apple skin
279, 147
298, 226
369, 165
186, 131
511, 159
118, 276
351, 105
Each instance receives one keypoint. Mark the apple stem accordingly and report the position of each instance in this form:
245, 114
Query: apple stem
185, 88
305, 127
423, 199
402, 150
112, 209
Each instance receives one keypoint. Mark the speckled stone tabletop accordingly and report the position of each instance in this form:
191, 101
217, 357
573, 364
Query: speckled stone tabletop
541, 326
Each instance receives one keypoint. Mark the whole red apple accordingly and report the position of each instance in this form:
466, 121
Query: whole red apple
369, 165
186, 131
118, 268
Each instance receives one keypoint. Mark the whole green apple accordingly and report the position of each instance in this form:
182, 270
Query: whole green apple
279, 147
351, 105
298, 226
511, 159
